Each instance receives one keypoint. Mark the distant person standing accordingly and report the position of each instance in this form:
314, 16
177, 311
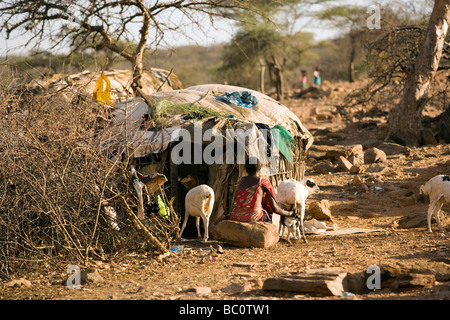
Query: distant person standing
317, 79
304, 79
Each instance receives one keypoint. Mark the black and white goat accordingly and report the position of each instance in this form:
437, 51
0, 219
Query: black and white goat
292, 195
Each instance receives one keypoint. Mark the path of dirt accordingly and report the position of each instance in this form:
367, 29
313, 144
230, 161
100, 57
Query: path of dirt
239, 273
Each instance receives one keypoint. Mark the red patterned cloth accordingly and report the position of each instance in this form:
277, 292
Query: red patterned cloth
244, 209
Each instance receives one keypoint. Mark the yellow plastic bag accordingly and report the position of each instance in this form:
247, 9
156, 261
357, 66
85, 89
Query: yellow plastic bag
163, 210
102, 90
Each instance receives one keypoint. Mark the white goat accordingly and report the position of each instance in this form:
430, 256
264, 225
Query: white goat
438, 189
199, 203
292, 194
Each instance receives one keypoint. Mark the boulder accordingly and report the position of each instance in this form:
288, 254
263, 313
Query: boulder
344, 164
356, 169
21, 283
392, 148
246, 234
320, 210
90, 276
374, 155
326, 281
357, 158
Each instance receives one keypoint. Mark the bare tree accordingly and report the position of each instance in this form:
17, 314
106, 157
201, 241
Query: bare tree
125, 27
405, 124
350, 19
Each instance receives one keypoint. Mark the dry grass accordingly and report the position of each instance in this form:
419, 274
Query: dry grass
54, 185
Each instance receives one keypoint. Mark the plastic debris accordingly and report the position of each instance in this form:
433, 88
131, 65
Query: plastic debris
348, 294
177, 249
245, 99
102, 90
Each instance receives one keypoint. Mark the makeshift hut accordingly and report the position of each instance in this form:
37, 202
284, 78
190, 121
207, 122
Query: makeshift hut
84, 83
194, 130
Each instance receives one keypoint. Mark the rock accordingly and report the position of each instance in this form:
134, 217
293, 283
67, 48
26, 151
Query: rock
428, 137
344, 164
357, 159
320, 281
375, 167
90, 276
398, 275
324, 167
374, 155
393, 148
202, 291
345, 151
321, 152
356, 169
320, 210
357, 181
356, 282
417, 220
246, 234
19, 283
237, 288
363, 188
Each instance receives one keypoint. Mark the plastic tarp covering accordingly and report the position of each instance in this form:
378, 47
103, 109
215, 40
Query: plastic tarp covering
126, 131
128, 117
267, 110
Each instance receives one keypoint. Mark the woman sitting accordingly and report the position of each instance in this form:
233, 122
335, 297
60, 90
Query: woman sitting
255, 199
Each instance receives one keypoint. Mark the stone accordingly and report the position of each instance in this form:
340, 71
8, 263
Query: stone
344, 164
90, 276
246, 234
394, 276
319, 281
356, 169
321, 152
363, 188
357, 158
428, 137
417, 220
357, 181
20, 283
320, 210
201, 291
325, 167
374, 155
237, 288
392, 148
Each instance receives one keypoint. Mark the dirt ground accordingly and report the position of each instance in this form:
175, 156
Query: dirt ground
238, 273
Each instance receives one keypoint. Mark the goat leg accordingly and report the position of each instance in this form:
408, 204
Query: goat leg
302, 216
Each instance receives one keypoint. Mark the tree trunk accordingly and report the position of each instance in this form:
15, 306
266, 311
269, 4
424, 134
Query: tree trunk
261, 77
138, 69
277, 70
351, 64
351, 72
405, 120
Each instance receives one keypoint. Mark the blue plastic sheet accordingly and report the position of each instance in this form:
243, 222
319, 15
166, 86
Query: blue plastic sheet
245, 99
